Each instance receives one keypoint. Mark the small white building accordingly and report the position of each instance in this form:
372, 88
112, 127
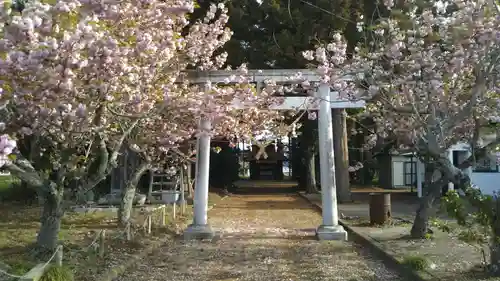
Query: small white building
403, 170
408, 171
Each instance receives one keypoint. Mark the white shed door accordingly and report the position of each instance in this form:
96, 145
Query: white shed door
397, 174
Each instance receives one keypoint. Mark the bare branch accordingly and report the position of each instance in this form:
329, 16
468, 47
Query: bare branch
125, 134
476, 91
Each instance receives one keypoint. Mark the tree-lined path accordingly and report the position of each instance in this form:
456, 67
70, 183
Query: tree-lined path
263, 237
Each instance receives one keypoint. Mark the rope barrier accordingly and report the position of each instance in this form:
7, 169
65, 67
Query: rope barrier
59, 248
85, 249
96, 239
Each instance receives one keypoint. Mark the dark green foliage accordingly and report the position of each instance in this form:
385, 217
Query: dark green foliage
274, 34
474, 212
477, 215
18, 5
58, 273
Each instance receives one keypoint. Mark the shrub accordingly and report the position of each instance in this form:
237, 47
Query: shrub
58, 273
476, 214
415, 262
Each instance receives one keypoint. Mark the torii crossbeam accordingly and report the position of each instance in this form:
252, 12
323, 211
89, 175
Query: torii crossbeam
330, 228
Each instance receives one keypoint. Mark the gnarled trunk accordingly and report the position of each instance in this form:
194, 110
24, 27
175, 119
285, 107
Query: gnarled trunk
128, 195
310, 172
432, 191
52, 214
421, 223
449, 173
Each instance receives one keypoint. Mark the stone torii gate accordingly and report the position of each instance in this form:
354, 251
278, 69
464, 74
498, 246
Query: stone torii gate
329, 229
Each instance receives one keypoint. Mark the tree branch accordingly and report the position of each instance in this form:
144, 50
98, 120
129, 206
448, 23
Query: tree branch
28, 175
181, 154
107, 161
477, 90
116, 149
479, 153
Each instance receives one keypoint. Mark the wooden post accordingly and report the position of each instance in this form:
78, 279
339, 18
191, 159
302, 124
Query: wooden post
102, 237
163, 215
183, 191
188, 179
149, 223
59, 255
150, 186
128, 232
173, 211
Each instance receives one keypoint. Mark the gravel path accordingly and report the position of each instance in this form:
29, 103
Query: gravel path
263, 237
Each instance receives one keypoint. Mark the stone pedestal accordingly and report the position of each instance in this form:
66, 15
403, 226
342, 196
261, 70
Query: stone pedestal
328, 232
199, 232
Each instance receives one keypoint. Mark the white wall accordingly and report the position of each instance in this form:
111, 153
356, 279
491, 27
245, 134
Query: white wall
487, 182
397, 174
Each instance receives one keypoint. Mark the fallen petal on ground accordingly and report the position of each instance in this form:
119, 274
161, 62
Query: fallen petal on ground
262, 238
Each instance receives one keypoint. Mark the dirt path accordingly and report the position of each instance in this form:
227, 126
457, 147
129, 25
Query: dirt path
263, 237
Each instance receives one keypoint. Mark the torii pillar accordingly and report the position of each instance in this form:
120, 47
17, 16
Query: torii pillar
330, 228
200, 229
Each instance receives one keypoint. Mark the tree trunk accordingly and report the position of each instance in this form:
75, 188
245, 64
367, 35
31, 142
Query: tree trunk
495, 243
341, 155
52, 214
189, 181
494, 265
150, 185
128, 195
421, 223
310, 172
433, 191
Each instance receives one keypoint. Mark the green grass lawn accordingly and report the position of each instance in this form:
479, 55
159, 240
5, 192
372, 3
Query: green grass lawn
5, 182
19, 225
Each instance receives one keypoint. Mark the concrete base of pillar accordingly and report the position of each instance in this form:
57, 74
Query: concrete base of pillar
329, 232
198, 232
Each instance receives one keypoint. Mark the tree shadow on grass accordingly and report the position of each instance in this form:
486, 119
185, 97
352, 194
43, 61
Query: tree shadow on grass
12, 250
19, 214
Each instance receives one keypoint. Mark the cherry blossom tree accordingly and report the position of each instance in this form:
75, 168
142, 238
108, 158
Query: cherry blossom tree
430, 72
79, 76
